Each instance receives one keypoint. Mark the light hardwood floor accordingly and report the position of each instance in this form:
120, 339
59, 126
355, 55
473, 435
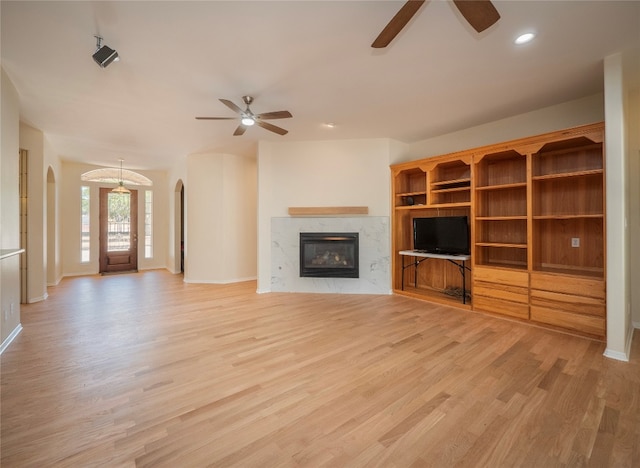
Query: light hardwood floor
145, 370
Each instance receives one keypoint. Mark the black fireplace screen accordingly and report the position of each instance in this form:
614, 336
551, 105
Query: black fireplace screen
329, 255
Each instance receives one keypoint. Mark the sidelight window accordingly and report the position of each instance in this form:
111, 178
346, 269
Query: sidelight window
85, 234
148, 224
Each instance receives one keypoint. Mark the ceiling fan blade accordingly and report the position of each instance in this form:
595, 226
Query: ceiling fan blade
396, 24
274, 115
271, 127
480, 14
216, 118
240, 130
231, 106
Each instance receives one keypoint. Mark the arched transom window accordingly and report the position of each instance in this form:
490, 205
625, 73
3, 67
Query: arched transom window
112, 175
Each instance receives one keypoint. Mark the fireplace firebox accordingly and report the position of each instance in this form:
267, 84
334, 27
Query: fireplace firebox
329, 255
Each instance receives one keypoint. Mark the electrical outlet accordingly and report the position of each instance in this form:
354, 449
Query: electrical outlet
575, 242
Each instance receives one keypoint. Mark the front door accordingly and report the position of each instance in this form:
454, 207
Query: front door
118, 231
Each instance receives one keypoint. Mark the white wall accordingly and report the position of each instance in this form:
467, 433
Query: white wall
565, 115
9, 209
70, 220
622, 106
633, 175
32, 140
631, 67
220, 239
318, 173
40, 158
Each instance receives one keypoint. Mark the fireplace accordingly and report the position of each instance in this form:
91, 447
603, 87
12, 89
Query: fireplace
329, 255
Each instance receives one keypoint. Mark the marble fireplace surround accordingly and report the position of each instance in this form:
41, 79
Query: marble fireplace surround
375, 269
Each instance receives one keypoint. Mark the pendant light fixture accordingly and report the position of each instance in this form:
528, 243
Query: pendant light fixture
121, 188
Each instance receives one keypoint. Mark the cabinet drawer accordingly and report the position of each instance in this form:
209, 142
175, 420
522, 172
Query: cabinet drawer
581, 323
498, 306
568, 302
501, 276
501, 291
583, 287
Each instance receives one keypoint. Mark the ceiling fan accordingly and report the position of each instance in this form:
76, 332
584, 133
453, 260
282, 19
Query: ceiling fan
480, 14
248, 118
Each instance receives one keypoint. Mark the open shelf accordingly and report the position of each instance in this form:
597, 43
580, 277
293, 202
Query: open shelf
553, 245
501, 245
566, 175
511, 201
456, 183
453, 189
503, 186
451, 205
570, 216
565, 196
572, 156
410, 187
450, 183
500, 218
407, 199
501, 169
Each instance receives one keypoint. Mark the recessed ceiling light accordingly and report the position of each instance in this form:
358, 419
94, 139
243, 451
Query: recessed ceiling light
524, 38
330, 125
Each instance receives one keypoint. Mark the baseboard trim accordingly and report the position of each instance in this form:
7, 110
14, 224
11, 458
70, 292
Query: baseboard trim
32, 300
622, 356
617, 355
12, 336
55, 283
231, 281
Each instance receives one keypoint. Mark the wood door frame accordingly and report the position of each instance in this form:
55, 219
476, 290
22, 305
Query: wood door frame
132, 253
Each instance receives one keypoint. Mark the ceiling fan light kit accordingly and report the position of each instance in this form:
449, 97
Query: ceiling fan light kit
248, 118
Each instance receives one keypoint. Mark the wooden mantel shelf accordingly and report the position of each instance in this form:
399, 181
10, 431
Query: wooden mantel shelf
327, 210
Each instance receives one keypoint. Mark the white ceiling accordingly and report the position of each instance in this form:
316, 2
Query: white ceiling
312, 58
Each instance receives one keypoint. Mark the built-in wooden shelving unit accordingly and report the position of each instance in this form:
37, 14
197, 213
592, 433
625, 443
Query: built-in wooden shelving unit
537, 218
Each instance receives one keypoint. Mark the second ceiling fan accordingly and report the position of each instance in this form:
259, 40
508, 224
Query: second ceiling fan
248, 118
480, 14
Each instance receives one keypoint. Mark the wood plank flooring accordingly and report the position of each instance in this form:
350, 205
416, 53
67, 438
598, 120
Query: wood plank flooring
145, 370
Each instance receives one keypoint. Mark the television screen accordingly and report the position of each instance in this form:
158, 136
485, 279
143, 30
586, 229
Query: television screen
447, 235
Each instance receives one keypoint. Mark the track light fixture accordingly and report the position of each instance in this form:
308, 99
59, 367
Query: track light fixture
104, 55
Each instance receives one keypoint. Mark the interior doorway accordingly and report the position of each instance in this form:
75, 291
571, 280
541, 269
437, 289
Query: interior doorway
118, 231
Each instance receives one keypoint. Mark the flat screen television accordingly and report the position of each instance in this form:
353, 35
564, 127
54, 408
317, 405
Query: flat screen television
448, 235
